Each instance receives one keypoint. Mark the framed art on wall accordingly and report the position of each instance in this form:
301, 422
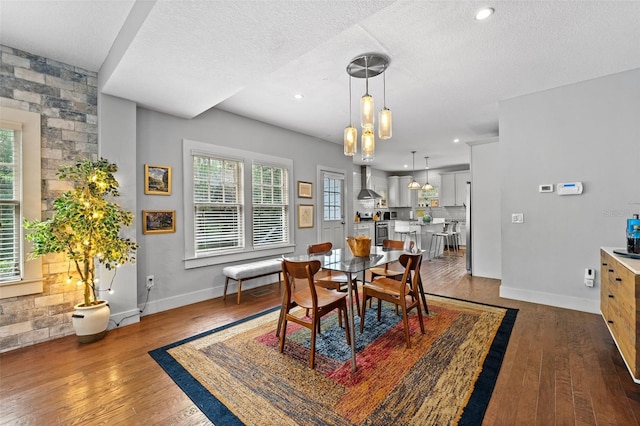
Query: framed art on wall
157, 180
305, 215
158, 221
305, 189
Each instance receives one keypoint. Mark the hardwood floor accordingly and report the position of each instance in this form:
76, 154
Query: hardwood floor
561, 366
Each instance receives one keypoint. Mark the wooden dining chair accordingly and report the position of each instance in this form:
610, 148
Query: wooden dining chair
318, 300
403, 293
390, 270
334, 279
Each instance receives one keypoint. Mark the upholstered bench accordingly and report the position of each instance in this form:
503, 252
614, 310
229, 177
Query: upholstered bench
247, 271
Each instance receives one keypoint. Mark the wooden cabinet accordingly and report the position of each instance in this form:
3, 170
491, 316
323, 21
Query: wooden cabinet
453, 188
619, 293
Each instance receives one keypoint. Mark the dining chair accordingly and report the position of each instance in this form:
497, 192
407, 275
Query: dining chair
334, 279
386, 270
402, 293
318, 300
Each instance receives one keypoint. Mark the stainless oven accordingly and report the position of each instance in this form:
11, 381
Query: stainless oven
382, 231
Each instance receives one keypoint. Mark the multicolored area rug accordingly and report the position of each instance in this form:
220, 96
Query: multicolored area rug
236, 375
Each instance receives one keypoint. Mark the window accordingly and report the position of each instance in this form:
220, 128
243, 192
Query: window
217, 196
240, 203
10, 259
270, 205
332, 192
19, 198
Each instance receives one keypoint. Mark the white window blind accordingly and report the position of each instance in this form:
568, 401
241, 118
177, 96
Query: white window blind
217, 193
270, 199
10, 258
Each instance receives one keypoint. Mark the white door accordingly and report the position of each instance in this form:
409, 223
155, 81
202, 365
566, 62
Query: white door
332, 224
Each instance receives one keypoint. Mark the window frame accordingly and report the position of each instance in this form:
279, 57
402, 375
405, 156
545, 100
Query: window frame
248, 158
28, 123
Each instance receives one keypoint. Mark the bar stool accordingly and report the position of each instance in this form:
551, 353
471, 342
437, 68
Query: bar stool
404, 229
440, 239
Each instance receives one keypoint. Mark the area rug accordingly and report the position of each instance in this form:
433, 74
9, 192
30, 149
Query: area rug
236, 375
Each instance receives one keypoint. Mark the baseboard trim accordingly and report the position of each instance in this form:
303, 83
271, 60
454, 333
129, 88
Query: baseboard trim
160, 305
131, 316
551, 299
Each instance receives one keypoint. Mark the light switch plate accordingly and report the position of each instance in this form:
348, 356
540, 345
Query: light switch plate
517, 217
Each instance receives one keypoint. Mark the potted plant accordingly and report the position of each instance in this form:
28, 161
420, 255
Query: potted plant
85, 226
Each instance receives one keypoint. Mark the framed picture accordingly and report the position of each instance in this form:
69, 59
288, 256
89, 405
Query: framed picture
305, 189
435, 203
158, 221
157, 180
305, 215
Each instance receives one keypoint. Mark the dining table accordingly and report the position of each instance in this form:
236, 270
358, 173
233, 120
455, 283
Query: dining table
343, 260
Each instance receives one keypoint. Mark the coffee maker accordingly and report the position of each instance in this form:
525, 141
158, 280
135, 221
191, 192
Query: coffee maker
633, 235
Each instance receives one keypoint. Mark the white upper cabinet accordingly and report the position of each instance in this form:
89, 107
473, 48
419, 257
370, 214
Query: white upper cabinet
454, 188
393, 184
406, 194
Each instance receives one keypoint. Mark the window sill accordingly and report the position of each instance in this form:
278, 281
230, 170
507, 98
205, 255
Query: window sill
21, 288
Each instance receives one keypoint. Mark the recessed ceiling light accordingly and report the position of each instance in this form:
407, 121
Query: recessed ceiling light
456, 140
298, 96
406, 165
484, 13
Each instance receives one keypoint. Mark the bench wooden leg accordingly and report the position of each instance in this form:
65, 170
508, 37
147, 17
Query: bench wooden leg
239, 291
226, 283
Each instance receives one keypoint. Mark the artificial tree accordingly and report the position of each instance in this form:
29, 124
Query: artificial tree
86, 224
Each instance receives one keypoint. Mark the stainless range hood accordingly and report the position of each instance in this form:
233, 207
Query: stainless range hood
366, 193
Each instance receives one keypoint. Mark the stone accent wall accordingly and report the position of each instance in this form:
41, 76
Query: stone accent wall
66, 98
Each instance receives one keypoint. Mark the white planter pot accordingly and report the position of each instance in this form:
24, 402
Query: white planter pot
90, 322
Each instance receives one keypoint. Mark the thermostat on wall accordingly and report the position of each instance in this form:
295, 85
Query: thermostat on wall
570, 188
546, 188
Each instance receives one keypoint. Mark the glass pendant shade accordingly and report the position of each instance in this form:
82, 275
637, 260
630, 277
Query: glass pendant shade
427, 187
350, 141
367, 116
384, 123
414, 185
368, 144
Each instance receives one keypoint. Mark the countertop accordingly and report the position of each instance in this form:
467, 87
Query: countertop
632, 264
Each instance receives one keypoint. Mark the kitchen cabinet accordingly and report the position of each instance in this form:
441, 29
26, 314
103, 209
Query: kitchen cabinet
406, 194
399, 193
393, 187
453, 188
619, 292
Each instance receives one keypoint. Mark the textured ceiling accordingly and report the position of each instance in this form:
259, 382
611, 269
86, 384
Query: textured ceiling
447, 73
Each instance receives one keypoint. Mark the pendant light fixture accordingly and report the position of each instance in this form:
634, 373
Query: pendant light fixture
384, 118
427, 186
414, 184
350, 133
366, 66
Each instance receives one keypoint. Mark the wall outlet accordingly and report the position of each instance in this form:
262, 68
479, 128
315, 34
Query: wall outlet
517, 217
589, 277
150, 282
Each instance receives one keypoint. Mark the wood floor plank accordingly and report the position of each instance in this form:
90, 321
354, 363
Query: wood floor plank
561, 366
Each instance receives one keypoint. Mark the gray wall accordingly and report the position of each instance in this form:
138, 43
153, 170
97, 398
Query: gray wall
588, 132
159, 141
485, 209
117, 136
